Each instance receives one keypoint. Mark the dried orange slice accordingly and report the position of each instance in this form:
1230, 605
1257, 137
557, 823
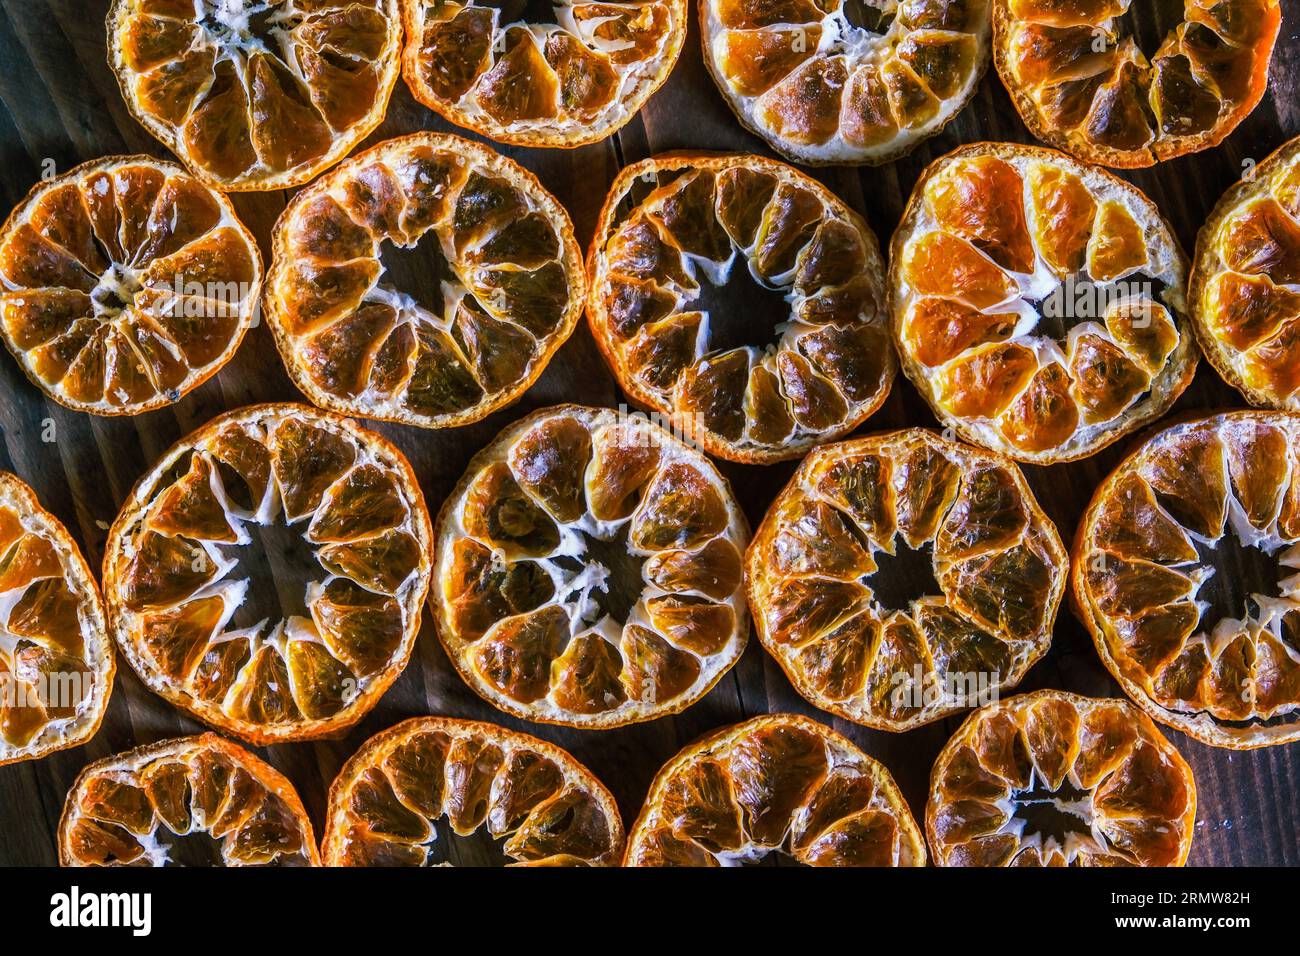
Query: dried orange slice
124, 284
1184, 572
56, 660
497, 282
1083, 85
743, 300
901, 577
1245, 289
777, 783
191, 801
845, 81
267, 574
256, 94
445, 792
562, 74
1038, 303
588, 570
1055, 779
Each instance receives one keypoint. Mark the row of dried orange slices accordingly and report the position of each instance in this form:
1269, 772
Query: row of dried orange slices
264, 94
588, 571
1044, 779
267, 94
1043, 326
126, 283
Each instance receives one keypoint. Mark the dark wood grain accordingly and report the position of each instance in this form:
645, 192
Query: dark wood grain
59, 103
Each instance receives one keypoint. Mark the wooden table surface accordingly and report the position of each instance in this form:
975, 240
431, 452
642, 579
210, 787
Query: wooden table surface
59, 103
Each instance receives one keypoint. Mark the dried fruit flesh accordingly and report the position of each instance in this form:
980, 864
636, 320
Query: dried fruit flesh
562, 74
1184, 572
779, 786
1055, 779
846, 81
191, 801
1083, 83
124, 284
267, 575
56, 659
742, 300
902, 577
1245, 289
589, 570
256, 94
426, 281
1038, 303
439, 791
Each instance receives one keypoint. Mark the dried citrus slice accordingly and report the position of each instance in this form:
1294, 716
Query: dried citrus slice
698, 259
1083, 84
1185, 574
124, 284
588, 570
1055, 779
496, 282
901, 577
256, 94
777, 783
56, 660
267, 574
1245, 289
1038, 303
441, 791
845, 81
191, 801
561, 74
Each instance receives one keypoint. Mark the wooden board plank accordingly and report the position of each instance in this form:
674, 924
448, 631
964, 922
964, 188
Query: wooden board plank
59, 104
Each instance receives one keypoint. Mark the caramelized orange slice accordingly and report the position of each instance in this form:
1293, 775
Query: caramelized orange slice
902, 577
1245, 289
1184, 572
124, 284
1038, 303
779, 783
1055, 779
1082, 83
588, 570
256, 94
191, 801
743, 301
436, 791
56, 659
427, 281
267, 574
843, 81
562, 74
